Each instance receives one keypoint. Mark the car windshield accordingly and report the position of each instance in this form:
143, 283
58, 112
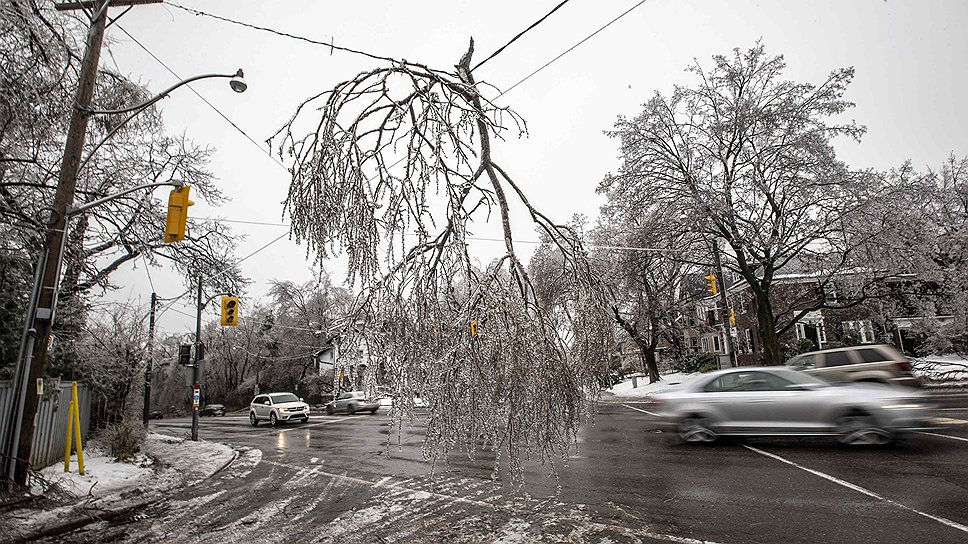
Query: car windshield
216, 406
284, 397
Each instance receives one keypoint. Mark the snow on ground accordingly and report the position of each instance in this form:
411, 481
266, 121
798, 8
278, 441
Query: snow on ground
667, 381
165, 463
948, 369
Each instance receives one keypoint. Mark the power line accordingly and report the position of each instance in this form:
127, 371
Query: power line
545, 65
218, 111
330, 45
522, 33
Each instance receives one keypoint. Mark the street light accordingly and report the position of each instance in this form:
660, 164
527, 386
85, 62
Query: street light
43, 302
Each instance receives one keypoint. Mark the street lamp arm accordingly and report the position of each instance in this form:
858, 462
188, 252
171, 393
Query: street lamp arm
84, 207
165, 93
237, 84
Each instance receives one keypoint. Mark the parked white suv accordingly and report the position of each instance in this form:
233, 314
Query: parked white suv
277, 407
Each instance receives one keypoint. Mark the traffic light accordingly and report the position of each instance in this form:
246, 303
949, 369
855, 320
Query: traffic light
473, 328
230, 311
185, 354
732, 317
178, 204
712, 287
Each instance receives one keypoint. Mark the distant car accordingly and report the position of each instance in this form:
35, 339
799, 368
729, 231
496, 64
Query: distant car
155, 414
864, 363
277, 408
212, 410
352, 402
772, 401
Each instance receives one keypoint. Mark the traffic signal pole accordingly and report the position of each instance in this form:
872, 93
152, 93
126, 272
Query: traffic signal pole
198, 361
151, 351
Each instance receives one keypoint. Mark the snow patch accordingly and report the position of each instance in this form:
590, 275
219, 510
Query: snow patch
666, 382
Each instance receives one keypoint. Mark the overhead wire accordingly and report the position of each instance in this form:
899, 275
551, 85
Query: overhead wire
522, 33
196, 93
570, 49
330, 45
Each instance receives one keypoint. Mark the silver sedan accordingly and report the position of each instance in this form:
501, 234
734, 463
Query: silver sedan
772, 401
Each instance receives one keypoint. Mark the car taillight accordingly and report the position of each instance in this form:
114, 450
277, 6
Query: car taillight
904, 366
653, 401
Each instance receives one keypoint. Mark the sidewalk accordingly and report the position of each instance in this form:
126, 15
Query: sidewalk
109, 488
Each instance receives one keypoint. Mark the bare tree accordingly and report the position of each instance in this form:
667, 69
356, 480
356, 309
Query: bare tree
747, 157
39, 73
394, 172
648, 263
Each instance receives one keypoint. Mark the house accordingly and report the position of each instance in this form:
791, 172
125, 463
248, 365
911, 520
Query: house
859, 322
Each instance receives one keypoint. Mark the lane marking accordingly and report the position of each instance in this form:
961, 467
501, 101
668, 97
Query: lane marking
945, 436
641, 410
859, 489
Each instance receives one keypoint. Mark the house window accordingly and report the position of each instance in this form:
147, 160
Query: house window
749, 340
705, 344
801, 331
694, 342
716, 343
863, 329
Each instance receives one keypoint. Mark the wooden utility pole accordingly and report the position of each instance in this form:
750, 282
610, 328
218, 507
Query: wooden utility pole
57, 226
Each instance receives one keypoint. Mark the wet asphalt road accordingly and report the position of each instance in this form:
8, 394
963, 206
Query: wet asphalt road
335, 480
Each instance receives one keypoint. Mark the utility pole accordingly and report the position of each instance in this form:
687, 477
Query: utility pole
56, 234
151, 352
57, 226
725, 303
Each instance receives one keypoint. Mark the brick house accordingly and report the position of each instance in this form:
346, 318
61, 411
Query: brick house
862, 323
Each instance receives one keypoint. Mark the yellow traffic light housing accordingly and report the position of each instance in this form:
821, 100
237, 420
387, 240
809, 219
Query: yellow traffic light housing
732, 317
712, 287
230, 311
178, 204
473, 328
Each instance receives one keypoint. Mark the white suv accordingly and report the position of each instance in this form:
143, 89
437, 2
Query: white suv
277, 407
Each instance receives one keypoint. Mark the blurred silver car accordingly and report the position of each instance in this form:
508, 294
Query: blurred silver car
352, 402
771, 401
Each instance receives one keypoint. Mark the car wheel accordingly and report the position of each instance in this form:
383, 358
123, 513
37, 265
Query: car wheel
373, 411
696, 429
351, 409
862, 429
305, 420
329, 409
272, 419
254, 421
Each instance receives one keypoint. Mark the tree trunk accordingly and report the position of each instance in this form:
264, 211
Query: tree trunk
766, 322
648, 352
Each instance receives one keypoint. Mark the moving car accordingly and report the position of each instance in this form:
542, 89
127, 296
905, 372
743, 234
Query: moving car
866, 363
778, 401
277, 408
212, 410
352, 402
155, 414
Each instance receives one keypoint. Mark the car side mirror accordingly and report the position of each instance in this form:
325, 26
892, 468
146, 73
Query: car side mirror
301, 399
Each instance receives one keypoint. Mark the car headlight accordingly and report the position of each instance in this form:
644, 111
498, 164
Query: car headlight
902, 406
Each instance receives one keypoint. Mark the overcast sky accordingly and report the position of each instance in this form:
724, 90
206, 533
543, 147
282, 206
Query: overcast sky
909, 88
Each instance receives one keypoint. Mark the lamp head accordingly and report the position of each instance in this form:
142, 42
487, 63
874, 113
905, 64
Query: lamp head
237, 83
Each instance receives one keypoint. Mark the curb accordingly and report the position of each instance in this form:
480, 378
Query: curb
105, 515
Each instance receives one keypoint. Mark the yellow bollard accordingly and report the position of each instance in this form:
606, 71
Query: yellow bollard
77, 429
74, 431
67, 448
